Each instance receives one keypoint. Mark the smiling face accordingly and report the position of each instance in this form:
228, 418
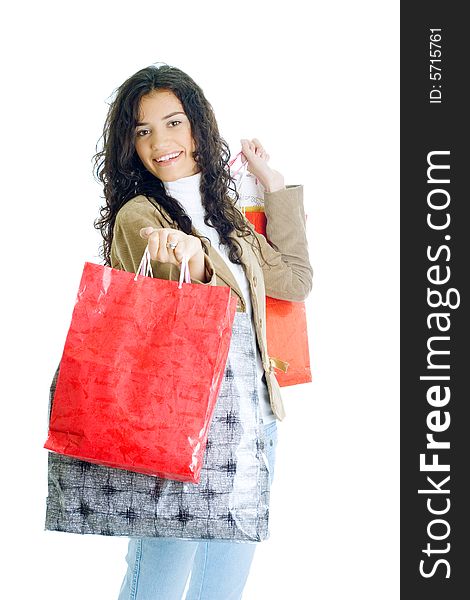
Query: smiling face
163, 139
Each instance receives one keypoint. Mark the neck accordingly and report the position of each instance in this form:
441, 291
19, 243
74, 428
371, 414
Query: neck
186, 191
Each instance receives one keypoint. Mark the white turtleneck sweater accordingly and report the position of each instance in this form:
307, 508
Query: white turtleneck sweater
186, 191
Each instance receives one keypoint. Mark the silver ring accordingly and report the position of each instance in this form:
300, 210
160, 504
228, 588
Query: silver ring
172, 245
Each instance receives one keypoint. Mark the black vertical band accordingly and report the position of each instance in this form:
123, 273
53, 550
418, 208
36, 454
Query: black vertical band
435, 269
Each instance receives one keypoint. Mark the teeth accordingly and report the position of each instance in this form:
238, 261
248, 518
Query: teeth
168, 156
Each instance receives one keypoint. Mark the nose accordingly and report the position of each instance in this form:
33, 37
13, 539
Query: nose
159, 139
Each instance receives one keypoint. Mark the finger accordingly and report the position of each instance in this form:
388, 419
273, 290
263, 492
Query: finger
145, 232
187, 248
153, 244
247, 147
171, 242
162, 254
173, 249
181, 251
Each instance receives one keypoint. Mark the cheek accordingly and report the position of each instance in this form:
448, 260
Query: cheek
140, 149
189, 140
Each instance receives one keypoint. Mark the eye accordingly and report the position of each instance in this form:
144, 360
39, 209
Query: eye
142, 132
174, 123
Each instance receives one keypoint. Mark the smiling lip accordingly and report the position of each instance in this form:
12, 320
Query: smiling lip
168, 161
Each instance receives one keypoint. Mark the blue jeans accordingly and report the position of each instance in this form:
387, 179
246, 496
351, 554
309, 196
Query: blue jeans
158, 568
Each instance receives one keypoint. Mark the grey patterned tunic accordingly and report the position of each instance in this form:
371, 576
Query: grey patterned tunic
231, 502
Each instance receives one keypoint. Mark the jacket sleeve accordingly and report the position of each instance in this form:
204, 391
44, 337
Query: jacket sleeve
287, 271
128, 247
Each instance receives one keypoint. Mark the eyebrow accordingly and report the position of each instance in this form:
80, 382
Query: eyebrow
178, 112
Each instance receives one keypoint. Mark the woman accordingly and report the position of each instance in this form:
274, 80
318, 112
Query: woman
166, 183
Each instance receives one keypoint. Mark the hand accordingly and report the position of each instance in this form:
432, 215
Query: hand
257, 159
168, 245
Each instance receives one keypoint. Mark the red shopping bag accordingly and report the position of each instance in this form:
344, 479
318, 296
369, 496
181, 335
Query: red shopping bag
286, 326
140, 373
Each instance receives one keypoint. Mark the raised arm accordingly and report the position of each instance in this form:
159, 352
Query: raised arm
288, 276
287, 270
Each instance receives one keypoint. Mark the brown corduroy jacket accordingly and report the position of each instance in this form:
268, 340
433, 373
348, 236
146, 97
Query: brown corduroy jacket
287, 276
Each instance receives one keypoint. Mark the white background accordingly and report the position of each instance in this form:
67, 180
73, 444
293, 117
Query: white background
317, 82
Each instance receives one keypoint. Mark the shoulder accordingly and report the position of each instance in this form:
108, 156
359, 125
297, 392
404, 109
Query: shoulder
140, 208
137, 205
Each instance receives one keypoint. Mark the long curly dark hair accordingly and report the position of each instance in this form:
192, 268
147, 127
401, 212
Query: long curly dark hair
118, 167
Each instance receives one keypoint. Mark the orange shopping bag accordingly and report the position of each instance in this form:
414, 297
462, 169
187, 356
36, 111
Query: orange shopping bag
286, 325
286, 322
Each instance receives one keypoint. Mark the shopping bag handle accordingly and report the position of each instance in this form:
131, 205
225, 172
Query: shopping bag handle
184, 273
145, 269
242, 171
243, 166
